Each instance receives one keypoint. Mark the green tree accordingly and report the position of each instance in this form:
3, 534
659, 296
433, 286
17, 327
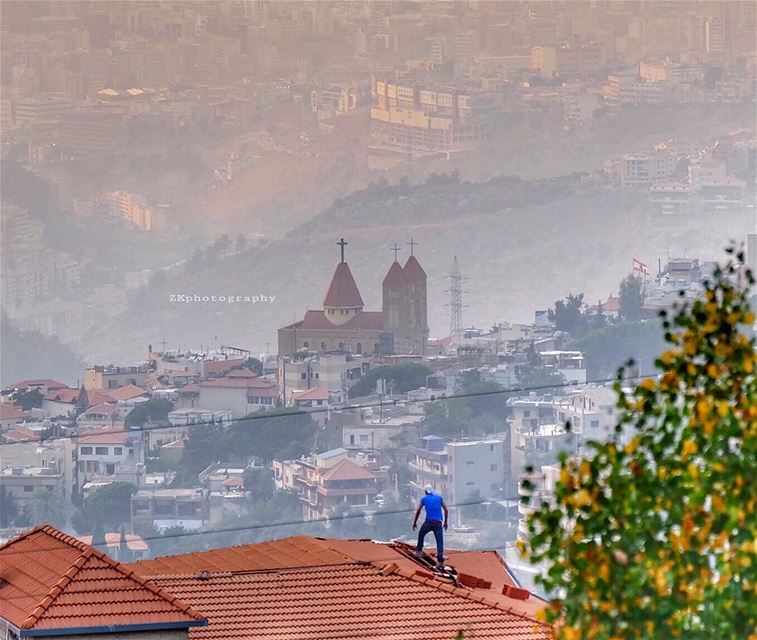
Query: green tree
400, 378
537, 376
109, 506
631, 298
8, 507
656, 538
82, 402
29, 399
608, 348
258, 481
254, 365
567, 314
287, 433
206, 443
152, 410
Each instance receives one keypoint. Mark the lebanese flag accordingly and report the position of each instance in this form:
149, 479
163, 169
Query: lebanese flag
638, 265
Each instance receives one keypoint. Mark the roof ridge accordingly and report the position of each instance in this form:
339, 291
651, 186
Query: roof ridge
467, 593
87, 553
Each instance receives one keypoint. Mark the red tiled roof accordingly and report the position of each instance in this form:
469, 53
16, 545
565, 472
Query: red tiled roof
314, 319
241, 373
312, 589
19, 434
343, 292
102, 408
347, 469
125, 393
215, 367
53, 581
38, 382
10, 412
106, 437
395, 277
239, 383
316, 393
69, 396
413, 269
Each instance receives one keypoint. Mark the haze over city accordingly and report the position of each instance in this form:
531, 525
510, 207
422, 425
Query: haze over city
270, 267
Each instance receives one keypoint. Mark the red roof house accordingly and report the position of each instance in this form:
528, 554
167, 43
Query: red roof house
52, 584
314, 589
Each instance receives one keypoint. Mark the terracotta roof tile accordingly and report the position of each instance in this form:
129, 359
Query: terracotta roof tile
53, 581
38, 382
318, 585
347, 469
340, 601
106, 437
343, 292
127, 392
68, 396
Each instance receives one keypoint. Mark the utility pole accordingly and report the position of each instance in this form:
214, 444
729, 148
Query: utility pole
456, 301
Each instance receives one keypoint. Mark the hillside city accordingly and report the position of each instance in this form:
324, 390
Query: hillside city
271, 268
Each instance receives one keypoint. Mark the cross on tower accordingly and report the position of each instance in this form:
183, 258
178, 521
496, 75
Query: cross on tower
396, 250
342, 244
412, 244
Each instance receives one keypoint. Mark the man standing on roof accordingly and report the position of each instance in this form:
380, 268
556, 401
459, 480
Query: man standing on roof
436, 518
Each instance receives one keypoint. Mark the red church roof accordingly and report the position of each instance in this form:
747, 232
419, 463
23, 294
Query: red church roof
413, 269
395, 277
343, 292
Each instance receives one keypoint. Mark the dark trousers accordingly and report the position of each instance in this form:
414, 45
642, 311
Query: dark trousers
434, 526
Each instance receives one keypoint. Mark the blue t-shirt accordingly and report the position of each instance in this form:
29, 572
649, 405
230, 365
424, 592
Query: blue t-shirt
433, 505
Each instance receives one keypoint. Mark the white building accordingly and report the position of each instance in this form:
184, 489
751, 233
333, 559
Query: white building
458, 469
115, 456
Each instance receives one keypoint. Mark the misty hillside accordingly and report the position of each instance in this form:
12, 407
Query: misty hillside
521, 245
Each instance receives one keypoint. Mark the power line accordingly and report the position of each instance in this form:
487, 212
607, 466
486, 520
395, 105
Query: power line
352, 407
288, 523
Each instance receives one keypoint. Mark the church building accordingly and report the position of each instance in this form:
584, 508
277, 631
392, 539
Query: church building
401, 327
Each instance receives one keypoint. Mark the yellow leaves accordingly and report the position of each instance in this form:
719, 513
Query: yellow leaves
668, 357
660, 580
648, 384
604, 570
688, 448
723, 408
749, 318
713, 370
632, 446
748, 365
693, 470
580, 498
571, 633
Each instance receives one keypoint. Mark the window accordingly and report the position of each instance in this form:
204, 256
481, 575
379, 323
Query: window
470, 462
595, 424
28, 488
470, 484
492, 467
352, 439
101, 451
363, 438
118, 451
359, 348
86, 451
526, 413
491, 447
317, 375
110, 469
49, 488
306, 344
303, 376
323, 345
131, 452
341, 345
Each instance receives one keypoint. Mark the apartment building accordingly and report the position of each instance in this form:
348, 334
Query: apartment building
334, 373
422, 120
110, 457
328, 481
167, 508
458, 469
112, 377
